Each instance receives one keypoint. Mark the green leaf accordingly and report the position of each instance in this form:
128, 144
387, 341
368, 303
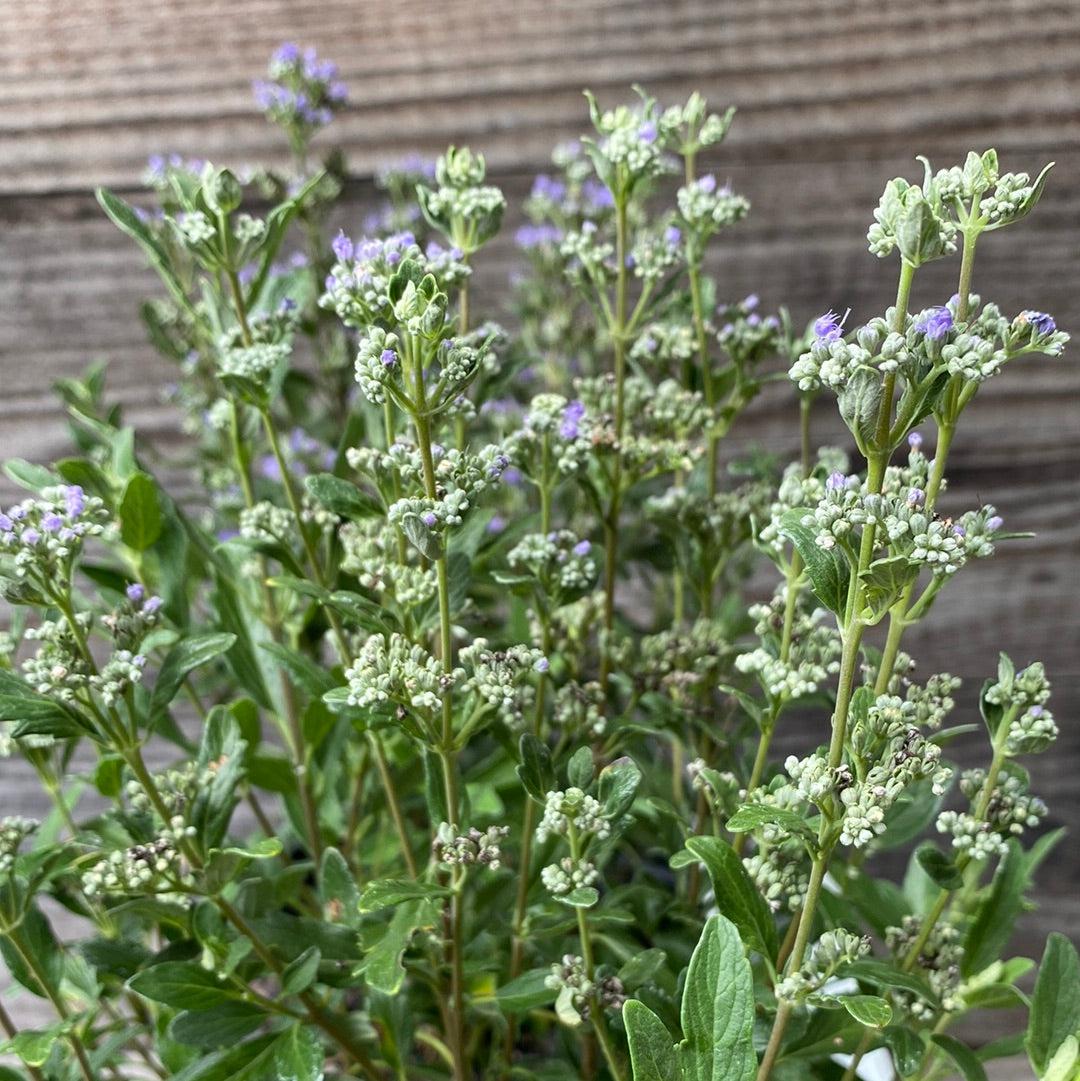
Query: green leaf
618, 785
183, 985
652, 1054
389, 892
536, 771
888, 977
234, 1063
527, 992
718, 1009
304, 672
300, 1055
971, 1069
382, 966
1055, 1005
580, 769
582, 897
1062, 1067
28, 475
187, 655
342, 497
127, 221
996, 917
641, 968
860, 405
37, 938
300, 974
938, 866
906, 1047
883, 583
755, 815
868, 1009
34, 1048
141, 520
223, 1026
338, 892
737, 897
827, 569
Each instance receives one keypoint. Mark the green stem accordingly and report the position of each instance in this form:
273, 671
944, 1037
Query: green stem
596, 1014
11, 1031
445, 749
29, 959
611, 522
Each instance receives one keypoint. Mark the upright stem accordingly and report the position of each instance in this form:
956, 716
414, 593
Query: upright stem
11, 1031
852, 633
30, 960
596, 1013
611, 521
446, 750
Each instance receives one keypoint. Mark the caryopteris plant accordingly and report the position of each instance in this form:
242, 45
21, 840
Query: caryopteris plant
433, 736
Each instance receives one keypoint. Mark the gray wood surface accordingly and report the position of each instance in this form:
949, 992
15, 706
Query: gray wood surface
834, 97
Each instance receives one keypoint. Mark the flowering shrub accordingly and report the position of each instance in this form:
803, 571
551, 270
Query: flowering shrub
461, 714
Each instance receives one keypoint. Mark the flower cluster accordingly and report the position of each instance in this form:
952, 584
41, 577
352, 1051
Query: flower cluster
302, 92
833, 950
572, 807
475, 847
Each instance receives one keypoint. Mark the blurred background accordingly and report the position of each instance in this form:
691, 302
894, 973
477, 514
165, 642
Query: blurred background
834, 97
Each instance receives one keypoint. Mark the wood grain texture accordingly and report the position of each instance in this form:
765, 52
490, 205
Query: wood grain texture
834, 97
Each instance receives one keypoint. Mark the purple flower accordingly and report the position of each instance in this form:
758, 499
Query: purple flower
582, 548
269, 468
546, 187
30, 536
388, 357
75, 500
916, 497
672, 236
751, 302
836, 482
6, 524
935, 323
537, 236
830, 327
429, 519
1036, 711
959, 531
52, 522
135, 592
571, 417
497, 524
542, 665
914, 440
288, 52
994, 523
707, 183
152, 605
1042, 323
647, 133
753, 320
512, 477
595, 195
343, 246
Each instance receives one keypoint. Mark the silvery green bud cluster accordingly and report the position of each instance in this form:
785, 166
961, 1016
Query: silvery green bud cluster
561, 565
567, 875
393, 670
120, 672
908, 221
655, 253
465, 210
377, 363
556, 433
14, 829
829, 363
369, 551
503, 678
579, 710
572, 807
1028, 687
58, 668
693, 127
149, 868
664, 343
1031, 732
745, 334
939, 960
475, 847
1010, 810
780, 868
706, 206
267, 523
45, 534
630, 143
682, 662
833, 950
